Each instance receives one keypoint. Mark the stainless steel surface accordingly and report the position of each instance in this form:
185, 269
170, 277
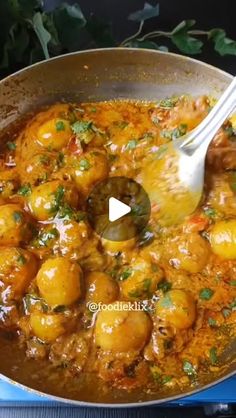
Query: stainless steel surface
101, 75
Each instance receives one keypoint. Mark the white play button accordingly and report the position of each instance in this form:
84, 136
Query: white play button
117, 209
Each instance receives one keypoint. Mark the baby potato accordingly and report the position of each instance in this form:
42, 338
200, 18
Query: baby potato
54, 134
101, 287
17, 268
223, 239
72, 236
140, 280
123, 330
177, 308
46, 199
59, 281
90, 168
114, 247
47, 327
38, 168
189, 252
14, 225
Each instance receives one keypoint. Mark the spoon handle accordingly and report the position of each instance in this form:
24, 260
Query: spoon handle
201, 136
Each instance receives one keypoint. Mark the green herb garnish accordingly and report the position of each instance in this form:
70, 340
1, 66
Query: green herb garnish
206, 294
125, 274
188, 368
60, 126
81, 126
210, 212
25, 190
213, 355
21, 260
168, 103
11, 145
164, 285
84, 164
212, 322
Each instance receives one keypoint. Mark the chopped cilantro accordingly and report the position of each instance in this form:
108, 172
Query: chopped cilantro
11, 145
210, 212
47, 236
60, 126
17, 216
125, 274
233, 305
166, 379
175, 133
84, 164
21, 260
232, 283
226, 312
131, 144
212, 322
168, 103
188, 368
24, 190
164, 285
81, 126
60, 159
58, 196
206, 294
44, 159
213, 355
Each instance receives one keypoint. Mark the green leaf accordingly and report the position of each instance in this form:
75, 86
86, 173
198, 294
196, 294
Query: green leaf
24, 190
60, 126
11, 145
210, 212
42, 33
101, 32
69, 22
164, 285
223, 45
84, 164
184, 42
206, 294
21, 260
147, 12
212, 322
125, 274
213, 355
81, 126
232, 283
188, 368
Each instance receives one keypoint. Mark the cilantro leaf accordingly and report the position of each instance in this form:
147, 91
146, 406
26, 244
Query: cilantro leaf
184, 42
25, 190
188, 368
84, 164
206, 293
147, 12
164, 285
222, 44
60, 126
213, 355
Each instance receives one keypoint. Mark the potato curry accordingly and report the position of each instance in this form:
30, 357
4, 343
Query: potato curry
53, 265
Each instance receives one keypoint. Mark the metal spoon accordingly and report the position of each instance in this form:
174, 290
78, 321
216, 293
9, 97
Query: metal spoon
175, 181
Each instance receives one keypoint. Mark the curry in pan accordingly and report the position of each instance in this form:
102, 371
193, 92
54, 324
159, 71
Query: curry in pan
53, 266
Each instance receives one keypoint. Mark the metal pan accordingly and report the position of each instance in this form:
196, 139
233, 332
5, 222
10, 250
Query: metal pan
89, 76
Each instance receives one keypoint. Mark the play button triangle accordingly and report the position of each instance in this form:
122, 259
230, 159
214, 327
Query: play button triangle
117, 209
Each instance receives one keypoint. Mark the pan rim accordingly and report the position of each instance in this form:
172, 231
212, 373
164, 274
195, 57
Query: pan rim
165, 400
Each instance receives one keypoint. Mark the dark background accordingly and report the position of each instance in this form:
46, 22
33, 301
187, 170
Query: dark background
208, 14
